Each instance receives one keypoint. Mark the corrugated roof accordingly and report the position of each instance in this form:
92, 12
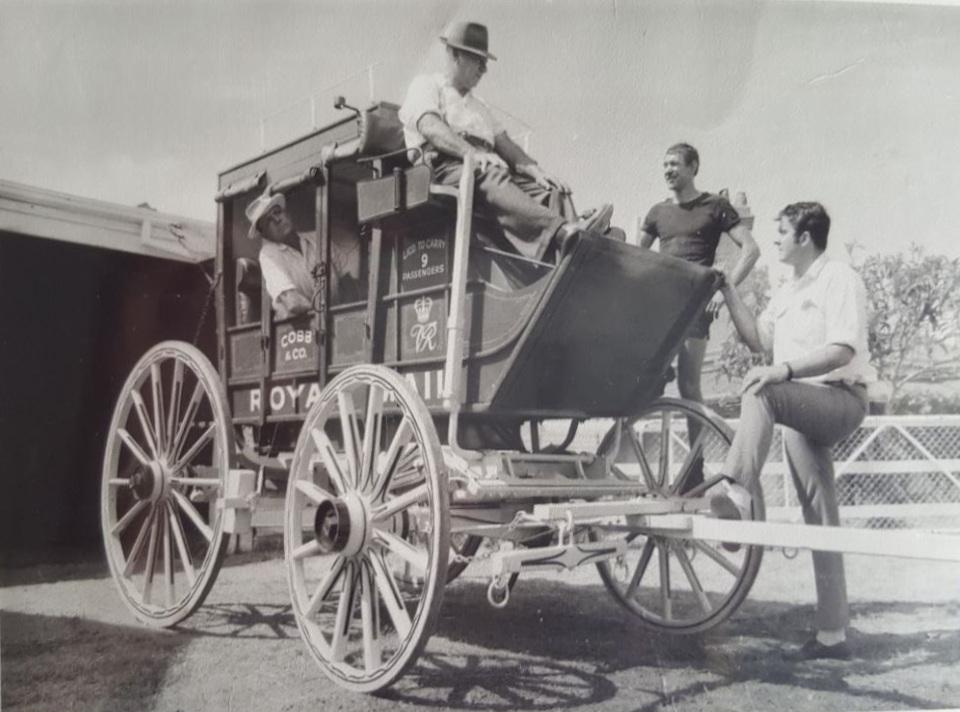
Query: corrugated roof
39, 212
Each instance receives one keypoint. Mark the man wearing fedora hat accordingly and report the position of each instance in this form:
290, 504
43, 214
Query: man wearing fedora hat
287, 257
443, 117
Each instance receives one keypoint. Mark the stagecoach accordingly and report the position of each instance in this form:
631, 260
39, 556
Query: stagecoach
424, 414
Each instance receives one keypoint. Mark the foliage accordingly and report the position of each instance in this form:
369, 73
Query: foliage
914, 315
925, 403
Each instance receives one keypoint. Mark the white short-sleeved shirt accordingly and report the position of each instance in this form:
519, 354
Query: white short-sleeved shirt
283, 268
464, 113
827, 305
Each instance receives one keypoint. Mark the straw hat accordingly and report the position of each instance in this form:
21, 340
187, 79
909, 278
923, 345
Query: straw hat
260, 207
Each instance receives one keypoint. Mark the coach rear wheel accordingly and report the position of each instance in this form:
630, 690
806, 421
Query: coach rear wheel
366, 528
677, 448
168, 452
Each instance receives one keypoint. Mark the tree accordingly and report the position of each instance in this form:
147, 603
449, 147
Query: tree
914, 315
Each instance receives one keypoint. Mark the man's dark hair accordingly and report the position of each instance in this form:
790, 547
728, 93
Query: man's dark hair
687, 152
809, 217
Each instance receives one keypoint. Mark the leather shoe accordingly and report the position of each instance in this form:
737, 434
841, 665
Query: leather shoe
597, 220
732, 502
813, 649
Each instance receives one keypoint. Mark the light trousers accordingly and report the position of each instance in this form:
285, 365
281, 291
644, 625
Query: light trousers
815, 417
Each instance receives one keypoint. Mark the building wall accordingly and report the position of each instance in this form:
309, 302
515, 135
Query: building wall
73, 321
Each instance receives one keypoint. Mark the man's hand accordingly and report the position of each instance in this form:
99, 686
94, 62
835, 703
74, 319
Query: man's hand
485, 160
715, 304
541, 177
761, 376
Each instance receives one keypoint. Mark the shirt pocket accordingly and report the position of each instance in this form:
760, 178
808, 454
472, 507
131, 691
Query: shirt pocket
806, 321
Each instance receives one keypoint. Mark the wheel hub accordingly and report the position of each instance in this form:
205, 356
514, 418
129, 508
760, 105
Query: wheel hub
147, 482
341, 525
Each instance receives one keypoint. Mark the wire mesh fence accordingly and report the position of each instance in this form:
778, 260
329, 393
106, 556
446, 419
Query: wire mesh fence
892, 472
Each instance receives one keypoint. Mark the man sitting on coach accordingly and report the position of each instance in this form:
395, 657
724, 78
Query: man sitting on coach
442, 116
287, 258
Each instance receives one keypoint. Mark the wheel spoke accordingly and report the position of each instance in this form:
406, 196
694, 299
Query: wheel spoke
176, 393
187, 507
180, 539
141, 410
315, 493
127, 439
323, 590
131, 514
371, 435
138, 545
158, 415
309, 548
206, 437
167, 560
370, 611
402, 548
341, 631
396, 505
695, 454
400, 439
390, 593
665, 600
191, 412
151, 556
692, 577
666, 422
642, 459
641, 569
717, 556
329, 457
351, 435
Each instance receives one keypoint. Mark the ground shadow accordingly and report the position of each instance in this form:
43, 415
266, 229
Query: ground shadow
71, 664
498, 682
584, 626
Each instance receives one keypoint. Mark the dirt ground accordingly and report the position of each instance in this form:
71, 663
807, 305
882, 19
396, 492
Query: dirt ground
562, 643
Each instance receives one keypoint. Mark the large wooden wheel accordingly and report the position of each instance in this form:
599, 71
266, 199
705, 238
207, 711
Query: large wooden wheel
167, 456
367, 528
672, 584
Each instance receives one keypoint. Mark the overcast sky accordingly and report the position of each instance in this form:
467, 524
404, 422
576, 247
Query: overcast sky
856, 105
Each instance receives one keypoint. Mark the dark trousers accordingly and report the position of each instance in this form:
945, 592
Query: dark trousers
515, 202
815, 417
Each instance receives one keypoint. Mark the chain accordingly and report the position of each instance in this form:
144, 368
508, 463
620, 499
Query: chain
206, 305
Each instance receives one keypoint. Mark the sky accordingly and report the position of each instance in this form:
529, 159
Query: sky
853, 104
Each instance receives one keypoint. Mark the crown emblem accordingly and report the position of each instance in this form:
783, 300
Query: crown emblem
423, 305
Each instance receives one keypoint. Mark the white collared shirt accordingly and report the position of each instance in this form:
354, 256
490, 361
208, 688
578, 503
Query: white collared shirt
464, 113
283, 268
827, 305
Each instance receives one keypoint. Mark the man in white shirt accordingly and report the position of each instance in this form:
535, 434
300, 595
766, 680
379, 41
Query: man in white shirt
444, 118
287, 258
816, 329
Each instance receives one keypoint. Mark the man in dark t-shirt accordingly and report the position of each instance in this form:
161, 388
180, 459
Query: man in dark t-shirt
689, 226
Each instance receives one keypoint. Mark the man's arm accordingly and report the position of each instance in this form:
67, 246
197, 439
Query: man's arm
521, 162
749, 252
816, 363
646, 239
293, 302
743, 319
446, 140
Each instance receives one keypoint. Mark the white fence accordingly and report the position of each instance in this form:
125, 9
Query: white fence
893, 472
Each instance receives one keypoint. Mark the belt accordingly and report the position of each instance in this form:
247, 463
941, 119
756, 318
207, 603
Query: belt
846, 384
